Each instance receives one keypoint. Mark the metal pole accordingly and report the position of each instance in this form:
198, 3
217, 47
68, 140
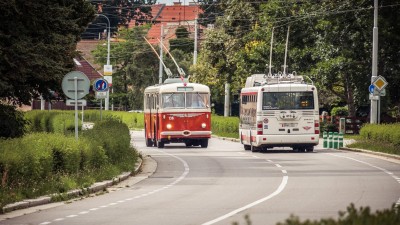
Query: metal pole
195, 42
107, 100
226, 105
374, 102
160, 70
76, 106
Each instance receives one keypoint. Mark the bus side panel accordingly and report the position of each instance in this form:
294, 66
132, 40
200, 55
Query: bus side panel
149, 125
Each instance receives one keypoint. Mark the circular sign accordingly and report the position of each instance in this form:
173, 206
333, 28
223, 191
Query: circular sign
68, 84
100, 85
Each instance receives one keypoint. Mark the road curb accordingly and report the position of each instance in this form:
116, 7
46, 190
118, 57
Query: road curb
96, 187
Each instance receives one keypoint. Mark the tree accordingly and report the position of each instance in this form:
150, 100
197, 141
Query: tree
136, 66
182, 41
220, 48
37, 45
120, 13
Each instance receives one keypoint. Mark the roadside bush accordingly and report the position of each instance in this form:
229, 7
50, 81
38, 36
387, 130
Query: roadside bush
113, 136
354, 216
225, 126
12, 122
386, 133
340, 111
62, 162
132, 119
51, 121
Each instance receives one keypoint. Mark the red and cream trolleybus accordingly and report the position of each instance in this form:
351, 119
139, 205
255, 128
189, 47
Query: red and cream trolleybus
176, 111
278, 111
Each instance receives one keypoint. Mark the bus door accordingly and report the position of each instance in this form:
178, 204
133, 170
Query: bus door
289, 113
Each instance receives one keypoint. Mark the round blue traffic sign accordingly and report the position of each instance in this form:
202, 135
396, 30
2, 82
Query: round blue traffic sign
100, 85
371, 88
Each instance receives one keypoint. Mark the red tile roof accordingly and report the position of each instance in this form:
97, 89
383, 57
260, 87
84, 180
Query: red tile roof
171, 17
87, 68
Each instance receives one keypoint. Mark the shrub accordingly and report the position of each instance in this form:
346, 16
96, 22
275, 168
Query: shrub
354, 216
12, 122
340, 111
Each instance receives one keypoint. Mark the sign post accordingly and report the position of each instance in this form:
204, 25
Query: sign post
108, 76
101, 87
75, 86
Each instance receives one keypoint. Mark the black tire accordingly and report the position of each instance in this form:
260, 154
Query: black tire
247, 147
254, 149
310, 149
160, 144
149, 142
204, 143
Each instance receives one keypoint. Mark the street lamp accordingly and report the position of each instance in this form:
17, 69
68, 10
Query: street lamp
107, 100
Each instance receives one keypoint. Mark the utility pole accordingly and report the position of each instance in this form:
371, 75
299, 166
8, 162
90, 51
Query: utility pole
374, 101
107, 100
160, 70
195, 42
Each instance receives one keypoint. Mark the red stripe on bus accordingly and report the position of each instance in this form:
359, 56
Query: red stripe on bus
249, 93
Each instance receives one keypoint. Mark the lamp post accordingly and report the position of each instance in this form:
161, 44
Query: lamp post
107, 100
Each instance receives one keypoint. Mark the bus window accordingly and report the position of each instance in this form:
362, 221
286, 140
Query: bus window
196, 100
173, 100
287, 100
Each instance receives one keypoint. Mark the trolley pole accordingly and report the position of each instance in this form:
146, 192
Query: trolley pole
160, 70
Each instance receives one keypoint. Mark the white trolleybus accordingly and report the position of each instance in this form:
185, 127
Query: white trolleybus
176, 111
278, 111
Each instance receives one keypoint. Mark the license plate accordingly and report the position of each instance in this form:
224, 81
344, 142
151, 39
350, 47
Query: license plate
289, 124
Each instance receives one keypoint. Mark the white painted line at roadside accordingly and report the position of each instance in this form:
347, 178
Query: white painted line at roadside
373, 166
276, 192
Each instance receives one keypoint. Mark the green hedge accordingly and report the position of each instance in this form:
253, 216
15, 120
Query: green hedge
63, 162
387, 133
225, 126
131, 119
354, 216
51, 121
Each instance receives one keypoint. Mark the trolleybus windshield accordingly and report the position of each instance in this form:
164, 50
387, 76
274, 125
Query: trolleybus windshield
185, 100
287, 100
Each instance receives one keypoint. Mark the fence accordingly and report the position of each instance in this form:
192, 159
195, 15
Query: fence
352, 125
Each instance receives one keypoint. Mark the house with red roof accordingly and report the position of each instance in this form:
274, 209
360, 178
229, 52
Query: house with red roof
170, 17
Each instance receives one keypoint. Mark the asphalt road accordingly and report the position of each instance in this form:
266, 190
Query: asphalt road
223, 183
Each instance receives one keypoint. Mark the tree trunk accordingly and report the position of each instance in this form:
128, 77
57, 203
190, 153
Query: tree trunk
350, 98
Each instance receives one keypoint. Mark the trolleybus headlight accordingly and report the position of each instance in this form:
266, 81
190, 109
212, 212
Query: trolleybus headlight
169, 126
203, 125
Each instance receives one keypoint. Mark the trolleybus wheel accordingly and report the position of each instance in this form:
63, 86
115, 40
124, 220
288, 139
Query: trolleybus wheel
310, 149
149, 142
204, 143
160, 144
254, 148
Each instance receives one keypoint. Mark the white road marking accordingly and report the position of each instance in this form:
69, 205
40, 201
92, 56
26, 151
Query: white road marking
373, 166
276, 192
180, 178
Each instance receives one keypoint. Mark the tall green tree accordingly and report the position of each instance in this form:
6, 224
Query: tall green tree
221, 45
37, 45
136, 66
120, 14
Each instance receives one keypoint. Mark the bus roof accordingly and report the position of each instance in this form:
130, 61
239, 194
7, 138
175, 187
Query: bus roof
178, 87
280, 87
